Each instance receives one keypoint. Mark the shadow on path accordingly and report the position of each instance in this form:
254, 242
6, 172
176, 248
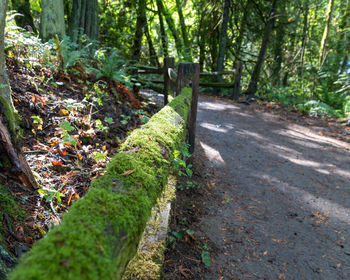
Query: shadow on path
279, 205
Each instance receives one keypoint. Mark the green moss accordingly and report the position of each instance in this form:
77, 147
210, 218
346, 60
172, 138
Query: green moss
8, 205
100, 233
12, 118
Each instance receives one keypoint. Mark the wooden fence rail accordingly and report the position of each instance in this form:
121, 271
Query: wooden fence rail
168, 79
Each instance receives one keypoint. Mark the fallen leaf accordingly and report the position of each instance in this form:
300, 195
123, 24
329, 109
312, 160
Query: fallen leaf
80, 157
128, 172
63, 112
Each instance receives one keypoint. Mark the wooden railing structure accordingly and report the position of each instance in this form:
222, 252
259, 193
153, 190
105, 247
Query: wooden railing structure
171, 82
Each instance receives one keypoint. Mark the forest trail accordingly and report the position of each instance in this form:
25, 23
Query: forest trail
277, 202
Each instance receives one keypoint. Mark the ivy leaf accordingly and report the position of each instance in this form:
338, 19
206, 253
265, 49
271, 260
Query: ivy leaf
66, 126
100, 156
67, 139
108, 120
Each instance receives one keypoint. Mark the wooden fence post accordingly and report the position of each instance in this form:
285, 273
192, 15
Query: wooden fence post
194, 103
179, 80
169, 62
237, 84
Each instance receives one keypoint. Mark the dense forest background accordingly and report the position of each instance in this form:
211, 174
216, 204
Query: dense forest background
294, 52
69, 85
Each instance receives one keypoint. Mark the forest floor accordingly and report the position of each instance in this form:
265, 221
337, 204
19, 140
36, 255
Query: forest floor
273, 200
72, 126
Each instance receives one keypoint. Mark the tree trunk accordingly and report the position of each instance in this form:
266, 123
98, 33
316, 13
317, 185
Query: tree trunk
83, 20
322, 52
201, 41
163, 35
304, 39
222, 43
187, 43
52, 19
214, 37
223, 38
344, 40
152, 52
242, 29
280, 32
253, 83
140, 25
25, 21
169, 20
11, 159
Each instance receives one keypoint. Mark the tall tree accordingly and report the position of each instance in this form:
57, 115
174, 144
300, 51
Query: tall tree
140, 25
83, 20
329, 13
223, 37
179, 4
152, 51
304, 37
163, 35
52, 19
242, 30
171, 24
253, 83
280, 32
344, 38
26, 20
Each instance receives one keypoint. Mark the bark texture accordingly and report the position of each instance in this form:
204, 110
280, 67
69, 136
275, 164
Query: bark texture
84, 20
140, 25
52, 19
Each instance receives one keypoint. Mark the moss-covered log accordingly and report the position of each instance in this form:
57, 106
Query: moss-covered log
100, 233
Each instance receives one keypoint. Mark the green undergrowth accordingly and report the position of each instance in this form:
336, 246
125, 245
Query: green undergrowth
100, 233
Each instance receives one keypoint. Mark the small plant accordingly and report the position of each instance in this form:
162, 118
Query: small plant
188, 185
180, 157
69, 53
100, 126
108, 120
100, 156
67, 139
176, 236
38, 121
99, 93
111, 66
317, 108
49, 194
205, 255
125, 119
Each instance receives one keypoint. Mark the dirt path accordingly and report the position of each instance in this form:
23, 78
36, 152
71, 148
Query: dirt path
277, 205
